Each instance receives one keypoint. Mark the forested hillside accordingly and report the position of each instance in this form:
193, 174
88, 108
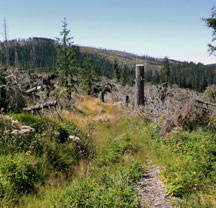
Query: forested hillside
39, 54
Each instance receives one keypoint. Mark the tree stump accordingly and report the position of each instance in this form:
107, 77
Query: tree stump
102, 94
139, 86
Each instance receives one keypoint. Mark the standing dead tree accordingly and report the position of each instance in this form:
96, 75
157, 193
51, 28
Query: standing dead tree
5, 45
139, 86
106, 88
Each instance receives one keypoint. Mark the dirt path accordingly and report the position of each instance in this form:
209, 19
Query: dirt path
152, 191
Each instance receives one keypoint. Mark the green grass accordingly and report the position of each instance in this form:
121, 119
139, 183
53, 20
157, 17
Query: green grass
195, 170
32, 160
110, 181
102, 170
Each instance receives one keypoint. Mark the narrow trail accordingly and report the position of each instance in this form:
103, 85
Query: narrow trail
152, 191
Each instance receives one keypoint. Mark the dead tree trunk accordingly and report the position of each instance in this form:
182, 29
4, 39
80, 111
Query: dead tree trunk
102, 97
139, 86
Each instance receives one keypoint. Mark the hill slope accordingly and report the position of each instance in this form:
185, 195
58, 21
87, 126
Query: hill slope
40, 54
125, 58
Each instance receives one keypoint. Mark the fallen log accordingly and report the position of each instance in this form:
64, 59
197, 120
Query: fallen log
40, 106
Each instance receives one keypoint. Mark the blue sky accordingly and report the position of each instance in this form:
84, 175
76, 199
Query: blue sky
157, 28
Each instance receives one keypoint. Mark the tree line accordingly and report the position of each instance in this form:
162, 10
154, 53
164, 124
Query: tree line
65, 58
186, 75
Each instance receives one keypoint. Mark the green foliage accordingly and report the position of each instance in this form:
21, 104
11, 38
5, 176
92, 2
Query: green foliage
39, 54
124, 76
2, 77
33, 53
166, 68
116, 69
17, 175
33, 158
108, 184
67, 59
211, 23
14, 143
197, 162
108, 190
185, 75
196, 201
40, 124
89, 76
117, 149
34, 121
109, 178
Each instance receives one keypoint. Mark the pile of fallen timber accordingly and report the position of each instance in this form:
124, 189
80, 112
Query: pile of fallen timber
24, 88
39, 108
179, 107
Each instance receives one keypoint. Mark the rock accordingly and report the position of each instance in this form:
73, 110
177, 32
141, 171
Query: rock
74, 138
23, 130
15, 132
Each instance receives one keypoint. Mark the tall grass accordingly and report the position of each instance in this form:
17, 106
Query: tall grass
32, 160
103, 168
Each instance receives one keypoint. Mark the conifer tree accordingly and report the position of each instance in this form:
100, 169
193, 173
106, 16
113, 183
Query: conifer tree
89, 76
211, 23
166, 68
124, 76
67, 59
116, 70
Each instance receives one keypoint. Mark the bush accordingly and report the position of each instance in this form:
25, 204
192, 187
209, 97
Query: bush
22, 143
196, 166
17, 175
48, 152
61, 157
111, 180
111, 188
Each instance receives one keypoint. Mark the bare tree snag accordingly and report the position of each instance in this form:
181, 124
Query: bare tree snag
139, 86
102, 94
127, 100
5, 32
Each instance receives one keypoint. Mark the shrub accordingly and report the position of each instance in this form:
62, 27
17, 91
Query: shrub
17, 175
111, 188
60, 157
21, 143
111, 180
196, 166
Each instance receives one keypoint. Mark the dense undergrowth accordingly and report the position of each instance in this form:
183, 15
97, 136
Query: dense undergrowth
48, 169
29, 161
